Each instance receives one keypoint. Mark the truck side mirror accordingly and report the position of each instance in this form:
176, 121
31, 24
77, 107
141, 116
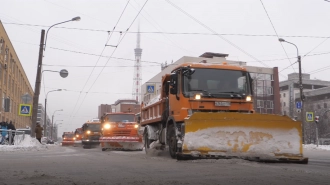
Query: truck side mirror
173, 83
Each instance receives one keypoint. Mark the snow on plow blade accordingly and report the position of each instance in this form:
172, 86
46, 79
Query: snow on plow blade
121, 143
261, 137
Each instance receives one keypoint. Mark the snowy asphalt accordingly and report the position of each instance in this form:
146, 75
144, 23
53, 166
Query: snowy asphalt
74, 165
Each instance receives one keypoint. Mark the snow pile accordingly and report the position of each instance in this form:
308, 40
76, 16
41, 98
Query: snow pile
28, 144
314, 147
243, 141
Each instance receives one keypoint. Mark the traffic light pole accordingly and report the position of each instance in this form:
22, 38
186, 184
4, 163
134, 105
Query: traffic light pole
37, 85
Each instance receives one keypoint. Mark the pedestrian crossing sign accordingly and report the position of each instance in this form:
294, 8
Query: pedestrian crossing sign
151, 89
309, 116
24, 110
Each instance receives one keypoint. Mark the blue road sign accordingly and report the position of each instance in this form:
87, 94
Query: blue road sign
151, 89
24, 110
309, 116
298, 104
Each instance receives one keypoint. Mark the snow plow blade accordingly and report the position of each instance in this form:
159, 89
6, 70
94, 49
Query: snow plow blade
257, 137
121, 143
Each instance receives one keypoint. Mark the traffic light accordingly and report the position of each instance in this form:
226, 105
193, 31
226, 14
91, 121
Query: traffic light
317, 119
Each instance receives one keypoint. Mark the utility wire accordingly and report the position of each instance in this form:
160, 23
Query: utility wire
99, 57
113, 53
182, 33
276, 33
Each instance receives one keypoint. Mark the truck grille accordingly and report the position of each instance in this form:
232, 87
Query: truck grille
121, 132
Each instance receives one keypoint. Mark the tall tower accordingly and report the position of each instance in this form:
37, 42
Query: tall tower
137, 78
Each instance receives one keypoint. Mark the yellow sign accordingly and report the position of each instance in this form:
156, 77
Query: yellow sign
309, 116
25, 110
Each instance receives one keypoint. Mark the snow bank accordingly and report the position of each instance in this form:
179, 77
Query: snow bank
28, 144
243, 141
314, 147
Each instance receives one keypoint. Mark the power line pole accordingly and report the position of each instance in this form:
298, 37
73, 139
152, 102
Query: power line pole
37, 85
302, 99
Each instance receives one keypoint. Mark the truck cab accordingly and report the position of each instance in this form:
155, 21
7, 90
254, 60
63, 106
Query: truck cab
91, 132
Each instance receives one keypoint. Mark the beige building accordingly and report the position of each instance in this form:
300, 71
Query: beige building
13, 83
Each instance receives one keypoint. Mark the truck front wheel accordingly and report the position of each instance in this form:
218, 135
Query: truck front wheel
172, 145
146, 142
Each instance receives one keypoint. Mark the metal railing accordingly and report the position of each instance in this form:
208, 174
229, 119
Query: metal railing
11, 137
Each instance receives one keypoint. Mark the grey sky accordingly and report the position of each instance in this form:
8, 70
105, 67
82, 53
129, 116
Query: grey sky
290, 18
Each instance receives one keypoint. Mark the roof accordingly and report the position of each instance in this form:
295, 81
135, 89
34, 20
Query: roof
212, 66
211, 55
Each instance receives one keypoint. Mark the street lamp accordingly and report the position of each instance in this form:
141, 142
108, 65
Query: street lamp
51, 131
45, 121
302, 97
38, 77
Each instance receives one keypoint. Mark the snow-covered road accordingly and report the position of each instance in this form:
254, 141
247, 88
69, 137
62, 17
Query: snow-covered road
32, 163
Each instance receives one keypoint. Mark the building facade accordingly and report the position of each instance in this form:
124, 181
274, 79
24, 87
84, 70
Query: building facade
104, 108
13, 83
316, 102
289, 89
121, 105
265, 81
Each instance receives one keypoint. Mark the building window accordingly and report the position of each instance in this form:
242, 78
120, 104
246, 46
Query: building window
284, 112
270, 90
318, 106
260, 104
283, 104
325, 105
6, 53
1, 44
283, 94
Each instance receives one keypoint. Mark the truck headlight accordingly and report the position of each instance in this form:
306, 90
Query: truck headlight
77, 135
136, 126
197, 96
248, 98
107, 126
74, 138
88, 132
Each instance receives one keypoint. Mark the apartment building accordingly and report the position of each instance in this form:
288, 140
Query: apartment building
13, 83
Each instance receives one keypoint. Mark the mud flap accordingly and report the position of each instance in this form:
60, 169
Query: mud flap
261, 137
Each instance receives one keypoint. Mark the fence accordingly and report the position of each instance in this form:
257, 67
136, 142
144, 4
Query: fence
11, 137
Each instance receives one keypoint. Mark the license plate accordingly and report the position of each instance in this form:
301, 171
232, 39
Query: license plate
222, 103
121, 125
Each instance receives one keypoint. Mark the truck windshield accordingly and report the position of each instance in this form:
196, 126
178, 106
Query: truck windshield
68, 135
93, 127
121, 117
216, 81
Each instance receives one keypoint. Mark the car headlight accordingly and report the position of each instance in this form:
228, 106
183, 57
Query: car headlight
107, 126
88, 132
248, 98
197, 96
136, 126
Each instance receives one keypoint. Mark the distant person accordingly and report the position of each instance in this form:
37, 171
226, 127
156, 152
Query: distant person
11, 126
38, 132
4, 128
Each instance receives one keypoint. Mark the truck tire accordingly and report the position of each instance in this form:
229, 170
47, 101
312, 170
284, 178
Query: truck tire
172, 144
146, 142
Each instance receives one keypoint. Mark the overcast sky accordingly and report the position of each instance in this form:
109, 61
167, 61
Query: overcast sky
248, 35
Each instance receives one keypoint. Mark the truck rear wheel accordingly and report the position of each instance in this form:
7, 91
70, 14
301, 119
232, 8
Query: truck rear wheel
146, 142
172, 145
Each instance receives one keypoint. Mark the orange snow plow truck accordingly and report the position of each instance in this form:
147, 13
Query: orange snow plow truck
205, 110
120, 132
68, 139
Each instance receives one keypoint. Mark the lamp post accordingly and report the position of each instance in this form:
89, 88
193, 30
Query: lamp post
302, 97
51, 131
45, 121
38, 77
